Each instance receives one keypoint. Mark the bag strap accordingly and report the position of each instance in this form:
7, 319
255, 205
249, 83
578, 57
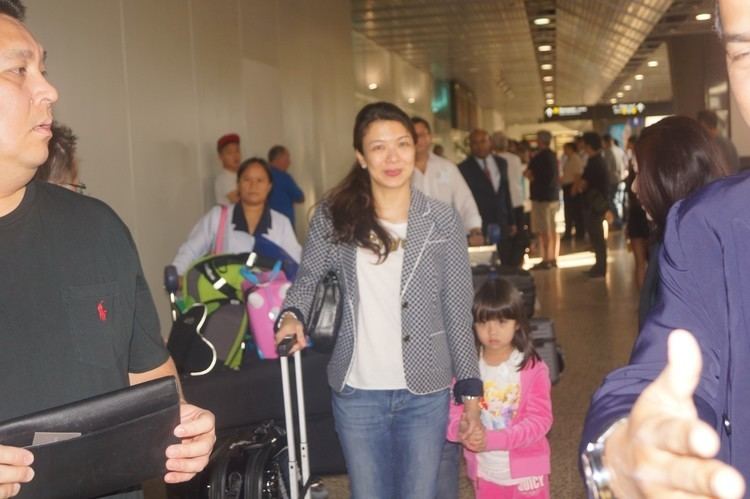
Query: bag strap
219, 241
248, 274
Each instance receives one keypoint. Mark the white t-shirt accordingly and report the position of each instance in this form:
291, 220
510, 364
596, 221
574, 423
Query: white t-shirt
502, 392
443, 181
378, 362
224, 183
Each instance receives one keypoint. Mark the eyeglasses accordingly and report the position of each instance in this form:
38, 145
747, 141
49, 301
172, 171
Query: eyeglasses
80, 187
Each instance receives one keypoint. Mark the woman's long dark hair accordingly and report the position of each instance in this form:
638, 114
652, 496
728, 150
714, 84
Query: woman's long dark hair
350, 203
498, 300
675, 157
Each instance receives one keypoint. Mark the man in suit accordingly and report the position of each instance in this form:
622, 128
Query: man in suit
487, 178
674, 422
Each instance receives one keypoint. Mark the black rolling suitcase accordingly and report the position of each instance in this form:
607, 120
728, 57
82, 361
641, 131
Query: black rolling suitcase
545, 344
521, 279
264, 464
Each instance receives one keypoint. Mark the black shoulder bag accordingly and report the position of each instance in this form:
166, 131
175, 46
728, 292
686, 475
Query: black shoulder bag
325, 313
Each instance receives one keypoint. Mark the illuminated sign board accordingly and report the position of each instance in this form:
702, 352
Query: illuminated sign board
607, 111
628, 109
569, 112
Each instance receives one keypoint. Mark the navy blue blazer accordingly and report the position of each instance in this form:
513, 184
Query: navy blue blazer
494, 206
704, 271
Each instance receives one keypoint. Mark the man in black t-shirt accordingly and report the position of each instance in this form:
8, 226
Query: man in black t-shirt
594, 184
545, 200
76, 316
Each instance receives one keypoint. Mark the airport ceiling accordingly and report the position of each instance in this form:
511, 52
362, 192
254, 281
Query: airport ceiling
594, 48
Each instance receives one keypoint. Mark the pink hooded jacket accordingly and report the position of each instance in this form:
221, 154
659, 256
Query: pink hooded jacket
526, 439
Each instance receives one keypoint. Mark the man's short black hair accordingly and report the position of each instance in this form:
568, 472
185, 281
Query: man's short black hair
275, 152
418, 119
593, 140
13, 8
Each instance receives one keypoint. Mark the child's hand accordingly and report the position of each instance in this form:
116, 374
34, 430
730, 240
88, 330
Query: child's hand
476, 441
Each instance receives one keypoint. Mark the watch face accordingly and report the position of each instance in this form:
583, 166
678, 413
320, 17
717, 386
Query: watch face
588, 474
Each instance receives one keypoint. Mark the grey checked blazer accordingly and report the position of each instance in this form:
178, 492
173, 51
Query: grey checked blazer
436, 296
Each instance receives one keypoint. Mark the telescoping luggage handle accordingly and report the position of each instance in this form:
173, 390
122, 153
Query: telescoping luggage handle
283, 350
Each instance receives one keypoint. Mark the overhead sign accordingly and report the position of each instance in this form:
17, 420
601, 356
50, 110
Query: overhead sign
569, 112
606, 111
628, 109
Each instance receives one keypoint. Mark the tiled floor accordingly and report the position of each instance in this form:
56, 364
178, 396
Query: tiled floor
596, 324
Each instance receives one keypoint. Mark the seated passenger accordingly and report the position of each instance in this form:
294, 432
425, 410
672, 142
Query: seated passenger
251, 225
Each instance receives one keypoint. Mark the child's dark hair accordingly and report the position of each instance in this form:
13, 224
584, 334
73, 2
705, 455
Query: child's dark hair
497, 299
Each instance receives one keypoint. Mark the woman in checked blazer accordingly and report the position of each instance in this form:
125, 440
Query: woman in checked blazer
407, 326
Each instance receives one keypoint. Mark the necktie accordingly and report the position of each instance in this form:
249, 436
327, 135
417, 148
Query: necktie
486, 169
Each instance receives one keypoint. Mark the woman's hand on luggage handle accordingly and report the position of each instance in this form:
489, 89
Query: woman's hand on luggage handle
663, 449
197, 432
290, 326
15, 470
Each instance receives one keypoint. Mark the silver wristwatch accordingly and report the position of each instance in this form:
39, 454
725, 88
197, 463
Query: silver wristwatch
598, 477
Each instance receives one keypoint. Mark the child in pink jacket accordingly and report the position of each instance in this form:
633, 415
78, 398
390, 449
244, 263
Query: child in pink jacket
510, 457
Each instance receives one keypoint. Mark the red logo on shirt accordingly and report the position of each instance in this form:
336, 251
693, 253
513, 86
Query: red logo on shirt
102, 311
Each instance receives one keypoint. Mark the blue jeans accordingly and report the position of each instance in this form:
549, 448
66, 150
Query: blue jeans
450, 462
392, 441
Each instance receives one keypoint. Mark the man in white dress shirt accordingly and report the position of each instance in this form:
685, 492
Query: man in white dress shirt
440, 179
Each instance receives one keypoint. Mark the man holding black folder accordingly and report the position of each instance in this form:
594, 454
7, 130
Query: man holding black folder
76, 317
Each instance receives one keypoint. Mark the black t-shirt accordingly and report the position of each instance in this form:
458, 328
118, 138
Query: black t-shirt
76, 314
545, 185
595, 174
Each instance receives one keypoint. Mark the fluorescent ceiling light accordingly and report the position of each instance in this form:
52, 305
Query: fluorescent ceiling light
703, 16
542, 21
372, 86
546, 67
653, 64
545, 48
613, 101
549, 95
411, 100
638, 77
548, 78
628, 88
620, 95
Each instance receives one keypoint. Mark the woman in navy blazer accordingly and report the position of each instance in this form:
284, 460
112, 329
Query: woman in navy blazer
406, 331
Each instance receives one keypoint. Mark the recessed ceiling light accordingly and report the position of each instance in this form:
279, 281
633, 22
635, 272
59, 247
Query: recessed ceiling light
549, 95
703, 16
546, 67
550, 101
628, 88
545, 48
620, 95
372, 86
638, 77
548, 78
542, 21
613, 101
653, 64
411, 100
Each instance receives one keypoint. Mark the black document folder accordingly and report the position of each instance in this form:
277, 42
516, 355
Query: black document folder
100, 445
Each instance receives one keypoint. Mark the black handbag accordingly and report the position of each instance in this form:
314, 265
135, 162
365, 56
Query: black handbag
325, 313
